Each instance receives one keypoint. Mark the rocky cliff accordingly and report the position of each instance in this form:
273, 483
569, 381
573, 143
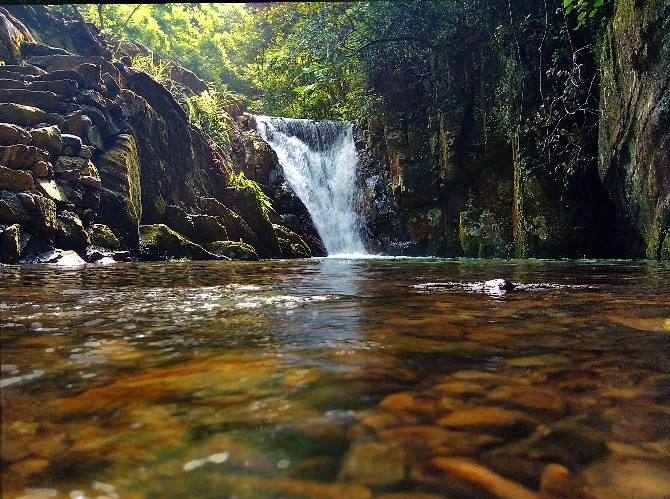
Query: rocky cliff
634, 139
100, 159
447, 167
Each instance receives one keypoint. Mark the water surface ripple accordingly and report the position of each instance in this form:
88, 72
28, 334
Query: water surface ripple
335, 378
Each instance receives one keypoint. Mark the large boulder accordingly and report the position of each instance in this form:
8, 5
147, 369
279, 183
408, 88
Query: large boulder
121, 195
102, 236
291, 244
15, 180
12, 134
47, 138
77, 169
159, 242
12, 35
235, 250
38, 98
199, 228
238, 229
35, 213
21, 157
20, 114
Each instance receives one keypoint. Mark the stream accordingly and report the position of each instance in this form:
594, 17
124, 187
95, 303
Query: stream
335, 378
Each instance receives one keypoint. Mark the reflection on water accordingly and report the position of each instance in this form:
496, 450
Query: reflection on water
336, 378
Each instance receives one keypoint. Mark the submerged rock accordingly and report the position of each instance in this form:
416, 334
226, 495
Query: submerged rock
373, 463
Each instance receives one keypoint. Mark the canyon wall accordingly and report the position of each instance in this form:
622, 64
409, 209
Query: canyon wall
452, 166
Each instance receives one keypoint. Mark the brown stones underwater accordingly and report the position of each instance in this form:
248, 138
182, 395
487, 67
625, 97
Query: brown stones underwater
335, 378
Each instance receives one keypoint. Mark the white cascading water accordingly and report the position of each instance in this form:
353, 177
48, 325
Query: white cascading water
319, 161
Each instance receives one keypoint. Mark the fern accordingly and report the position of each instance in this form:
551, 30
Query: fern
240, 181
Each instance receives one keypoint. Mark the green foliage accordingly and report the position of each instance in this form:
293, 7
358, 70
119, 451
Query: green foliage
208, 111
240, 181
584, 9
158, 69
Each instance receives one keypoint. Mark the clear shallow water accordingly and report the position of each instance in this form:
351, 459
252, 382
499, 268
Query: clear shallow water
335, 378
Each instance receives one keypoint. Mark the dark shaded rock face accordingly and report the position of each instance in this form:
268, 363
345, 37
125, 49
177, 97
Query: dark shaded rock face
437, 179
634, 139
92, 151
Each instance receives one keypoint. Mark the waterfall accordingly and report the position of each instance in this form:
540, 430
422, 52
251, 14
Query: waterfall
319, 161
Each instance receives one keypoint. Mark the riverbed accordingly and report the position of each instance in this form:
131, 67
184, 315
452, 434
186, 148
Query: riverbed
335, 378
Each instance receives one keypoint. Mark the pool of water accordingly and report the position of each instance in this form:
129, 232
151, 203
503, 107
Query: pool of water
333, 378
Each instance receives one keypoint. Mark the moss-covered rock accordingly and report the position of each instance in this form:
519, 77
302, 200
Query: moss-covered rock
159, 242
291, 244
235, 250
121, 192
102, 236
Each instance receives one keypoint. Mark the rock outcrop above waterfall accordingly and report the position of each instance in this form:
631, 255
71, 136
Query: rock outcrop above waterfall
99, 158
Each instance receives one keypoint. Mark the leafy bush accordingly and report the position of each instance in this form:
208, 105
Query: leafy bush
158, 69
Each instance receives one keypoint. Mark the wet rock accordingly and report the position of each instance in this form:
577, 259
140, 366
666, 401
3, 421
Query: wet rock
569, 443
159, 242
373, 463
12, 134
101, 235
64, 258
70, 233
10, 244
67, 88
481, 477
15, 180
557, 482
489, 420
121, 195
234, 250
38, 98
47, 138
21, 157
19, 114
